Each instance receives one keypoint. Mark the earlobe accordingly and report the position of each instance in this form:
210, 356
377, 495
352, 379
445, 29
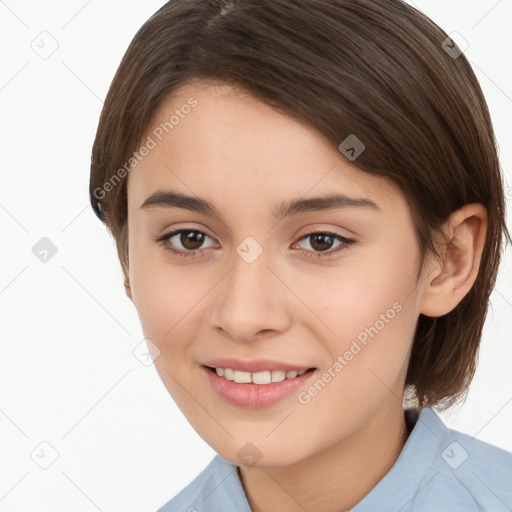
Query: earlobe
127, 288
456, 270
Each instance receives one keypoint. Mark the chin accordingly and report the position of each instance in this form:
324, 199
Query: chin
249, 455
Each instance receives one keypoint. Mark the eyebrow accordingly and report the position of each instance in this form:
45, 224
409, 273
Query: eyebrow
174, 199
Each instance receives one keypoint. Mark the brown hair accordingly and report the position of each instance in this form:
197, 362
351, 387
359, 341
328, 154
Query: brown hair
378, 69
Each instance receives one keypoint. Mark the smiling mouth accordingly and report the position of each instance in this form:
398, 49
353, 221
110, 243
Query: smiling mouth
259, 378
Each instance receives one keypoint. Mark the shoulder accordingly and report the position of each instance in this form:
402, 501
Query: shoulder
440, 468
465, 473
217, 488
483, 469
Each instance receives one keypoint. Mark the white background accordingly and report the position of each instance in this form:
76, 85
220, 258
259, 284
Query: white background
68, 375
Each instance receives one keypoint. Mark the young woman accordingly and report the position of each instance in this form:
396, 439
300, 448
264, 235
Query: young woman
308, 208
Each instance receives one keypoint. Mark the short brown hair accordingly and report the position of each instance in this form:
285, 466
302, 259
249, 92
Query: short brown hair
378, 69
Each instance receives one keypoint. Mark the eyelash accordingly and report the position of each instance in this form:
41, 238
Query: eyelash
164, 240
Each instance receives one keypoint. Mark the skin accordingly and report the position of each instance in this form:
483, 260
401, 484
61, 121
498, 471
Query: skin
245, 158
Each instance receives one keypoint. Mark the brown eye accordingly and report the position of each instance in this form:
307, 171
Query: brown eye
185, 242
321, 242
191, 240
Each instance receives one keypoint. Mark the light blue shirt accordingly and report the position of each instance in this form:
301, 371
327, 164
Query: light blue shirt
439, 469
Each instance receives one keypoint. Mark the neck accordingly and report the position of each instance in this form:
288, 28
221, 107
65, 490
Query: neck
335, 479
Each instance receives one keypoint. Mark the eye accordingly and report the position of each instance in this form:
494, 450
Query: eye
190, 239
323, 241
320, 243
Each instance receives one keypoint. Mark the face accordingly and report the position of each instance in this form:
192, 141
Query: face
238, 272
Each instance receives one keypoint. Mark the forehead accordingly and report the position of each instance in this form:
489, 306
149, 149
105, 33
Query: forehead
216, 141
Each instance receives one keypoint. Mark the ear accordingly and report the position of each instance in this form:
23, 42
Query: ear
127, 288
454, 273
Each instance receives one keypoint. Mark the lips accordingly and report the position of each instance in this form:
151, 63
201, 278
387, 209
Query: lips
247, 393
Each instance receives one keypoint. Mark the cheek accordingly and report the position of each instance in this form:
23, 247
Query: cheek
170, 300
367, 312
373, 329
355, 295
165, 302
162, 294
366, 358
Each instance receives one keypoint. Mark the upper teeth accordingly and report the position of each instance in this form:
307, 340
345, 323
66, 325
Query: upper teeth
265, 377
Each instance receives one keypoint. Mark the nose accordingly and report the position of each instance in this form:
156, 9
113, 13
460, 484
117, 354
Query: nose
251, 302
